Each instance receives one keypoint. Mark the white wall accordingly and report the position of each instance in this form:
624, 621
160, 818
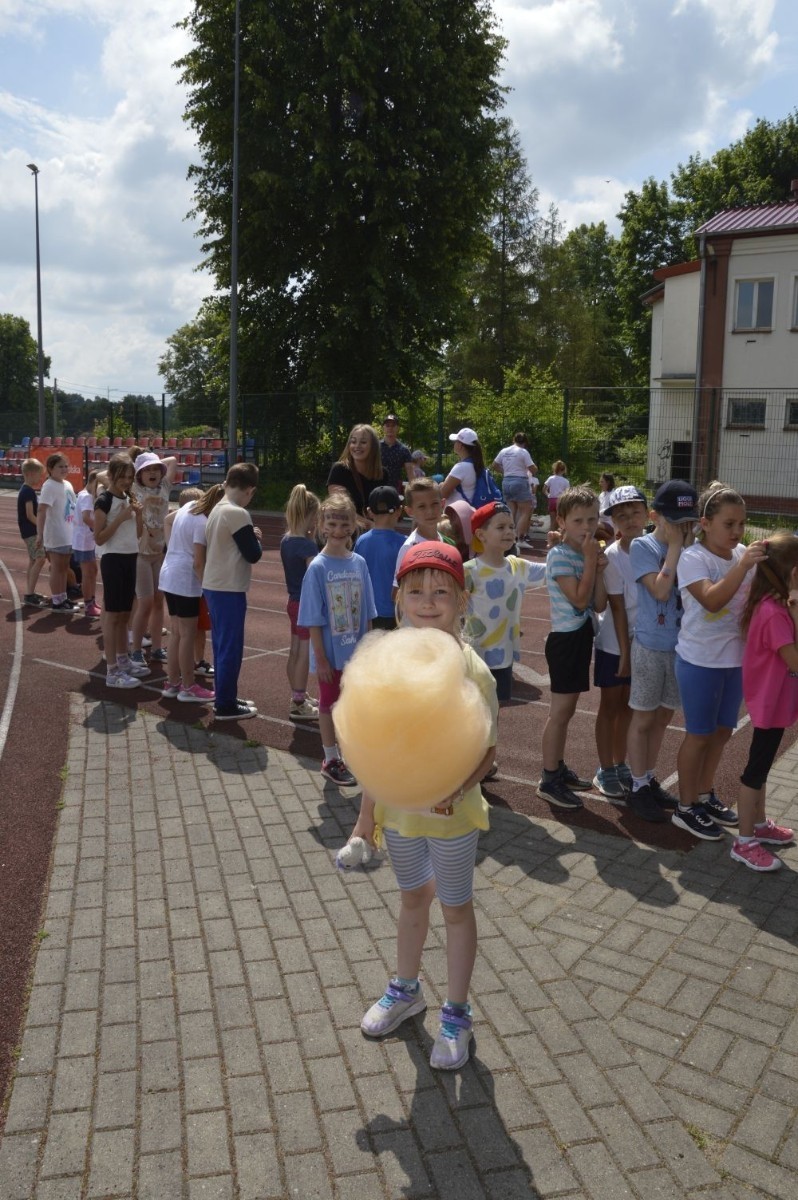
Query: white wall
670, 420
680, 325
766, 360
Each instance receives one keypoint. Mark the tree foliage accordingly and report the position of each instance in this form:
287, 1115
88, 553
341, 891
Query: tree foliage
365, 173
195, 367
19, 367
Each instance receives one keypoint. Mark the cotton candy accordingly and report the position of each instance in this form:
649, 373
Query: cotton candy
411, 724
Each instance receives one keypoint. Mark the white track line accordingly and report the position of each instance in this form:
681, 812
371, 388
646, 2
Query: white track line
16, 665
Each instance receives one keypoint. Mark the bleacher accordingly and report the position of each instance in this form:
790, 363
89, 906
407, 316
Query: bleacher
201, 461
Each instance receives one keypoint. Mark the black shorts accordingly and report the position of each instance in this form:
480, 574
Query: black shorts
605, 668
504, 683
119, 581
568, 656
182, 606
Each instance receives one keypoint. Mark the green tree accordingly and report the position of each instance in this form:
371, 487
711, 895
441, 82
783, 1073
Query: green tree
366, 175
195, 367
19, 367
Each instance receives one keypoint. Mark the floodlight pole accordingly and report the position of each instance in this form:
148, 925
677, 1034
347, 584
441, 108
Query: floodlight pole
232, 430
42, 430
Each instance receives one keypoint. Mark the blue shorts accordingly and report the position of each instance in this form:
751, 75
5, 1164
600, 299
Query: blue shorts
516, 488
84, 556
605, 667
449, 861
711, 696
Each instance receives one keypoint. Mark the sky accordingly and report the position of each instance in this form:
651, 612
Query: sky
605, 93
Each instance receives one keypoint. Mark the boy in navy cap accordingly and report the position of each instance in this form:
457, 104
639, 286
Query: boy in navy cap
654, 693
380, 547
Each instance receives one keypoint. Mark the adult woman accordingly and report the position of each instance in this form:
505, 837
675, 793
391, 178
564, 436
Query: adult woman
464, 472
514, 463
359, 470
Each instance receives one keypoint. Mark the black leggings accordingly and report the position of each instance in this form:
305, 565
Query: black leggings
764, 747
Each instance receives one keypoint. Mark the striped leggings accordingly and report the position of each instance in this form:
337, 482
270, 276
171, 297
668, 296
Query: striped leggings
449, 861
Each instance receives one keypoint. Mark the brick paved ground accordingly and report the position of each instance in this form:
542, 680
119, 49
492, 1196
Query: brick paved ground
193, 1023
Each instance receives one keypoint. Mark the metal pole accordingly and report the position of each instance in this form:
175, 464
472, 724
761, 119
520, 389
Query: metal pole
232, 431
42, 431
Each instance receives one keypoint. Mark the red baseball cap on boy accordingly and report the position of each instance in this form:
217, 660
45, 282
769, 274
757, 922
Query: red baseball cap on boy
433, 556
486, 513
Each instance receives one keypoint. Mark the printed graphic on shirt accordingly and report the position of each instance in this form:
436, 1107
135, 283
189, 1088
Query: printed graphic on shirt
344, 603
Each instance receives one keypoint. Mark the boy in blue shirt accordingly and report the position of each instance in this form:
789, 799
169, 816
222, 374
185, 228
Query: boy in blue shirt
574, 570
654, 692
380, 546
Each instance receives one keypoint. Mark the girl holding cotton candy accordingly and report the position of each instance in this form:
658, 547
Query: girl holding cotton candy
419, 752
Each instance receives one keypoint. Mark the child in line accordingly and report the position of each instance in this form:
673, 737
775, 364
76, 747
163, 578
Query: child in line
201, 665
181, 582
574, 575
628, 508
233, 545
496, 582
418, 461
117, 528
297, 549
27, 509
606, 488
770, 687
337, 606
434, 852
654, 693
54, 521
555, 485
458, 513
380, 547
709, 655
424, 505
151, 488
83, 545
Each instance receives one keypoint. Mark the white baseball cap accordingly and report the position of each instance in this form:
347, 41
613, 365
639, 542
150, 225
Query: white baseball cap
466, 436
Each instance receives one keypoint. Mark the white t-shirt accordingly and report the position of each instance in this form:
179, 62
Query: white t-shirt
58, 524
466, 476
619, 580
177, 571
514, 460
557, 484
124, 539
710, 639
82, 534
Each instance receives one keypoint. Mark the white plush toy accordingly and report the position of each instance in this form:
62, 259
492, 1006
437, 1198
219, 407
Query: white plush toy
357, 853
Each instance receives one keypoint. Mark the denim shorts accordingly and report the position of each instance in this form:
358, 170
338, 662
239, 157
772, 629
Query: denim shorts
517, 489
84, 556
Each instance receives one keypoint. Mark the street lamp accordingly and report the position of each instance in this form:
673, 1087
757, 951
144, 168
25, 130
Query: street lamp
35, 171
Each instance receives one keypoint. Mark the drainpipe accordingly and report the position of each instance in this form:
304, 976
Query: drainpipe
702, 254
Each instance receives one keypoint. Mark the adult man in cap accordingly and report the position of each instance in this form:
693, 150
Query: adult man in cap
396, 456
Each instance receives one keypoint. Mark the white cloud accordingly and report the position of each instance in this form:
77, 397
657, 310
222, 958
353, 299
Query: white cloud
570, 33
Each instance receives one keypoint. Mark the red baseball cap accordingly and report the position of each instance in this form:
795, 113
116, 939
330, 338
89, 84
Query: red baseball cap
433, 556
486, 512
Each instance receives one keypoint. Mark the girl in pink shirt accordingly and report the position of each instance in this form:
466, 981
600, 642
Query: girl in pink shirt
770, 687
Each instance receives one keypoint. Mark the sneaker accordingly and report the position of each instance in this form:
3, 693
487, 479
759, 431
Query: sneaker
608, 783
557, 792
204, 668
720, 813
119, 679
303, 711
93, 610
698, 822
170, 690
336, 770
66, 606
396, 1006
625, 775
455, 1038
644, 805
137, 657
136, 666
195, 695
664, 799
775, 835
754, 856
158, 656
491, 773
146, 641
573, 780
35, 600
236, 712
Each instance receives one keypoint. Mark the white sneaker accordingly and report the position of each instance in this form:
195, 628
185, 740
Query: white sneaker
394, 1007
120, 680
453, 1043
139, 670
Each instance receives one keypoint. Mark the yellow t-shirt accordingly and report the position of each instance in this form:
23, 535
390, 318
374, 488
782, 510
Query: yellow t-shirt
469, 813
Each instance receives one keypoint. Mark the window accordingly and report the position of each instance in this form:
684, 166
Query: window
746, 414
791, 415
754, 305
